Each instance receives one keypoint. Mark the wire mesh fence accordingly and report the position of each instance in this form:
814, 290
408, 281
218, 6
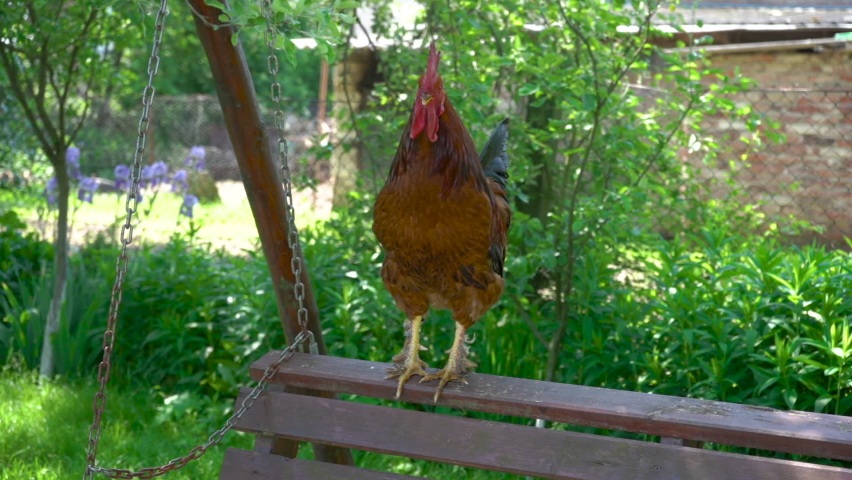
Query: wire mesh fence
806, 177
178, 124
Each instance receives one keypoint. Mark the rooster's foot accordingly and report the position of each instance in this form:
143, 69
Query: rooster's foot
408, 362
457, 366
412, 366
446, 376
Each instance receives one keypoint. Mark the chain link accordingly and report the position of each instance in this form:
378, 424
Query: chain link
216, 436
126, 238
131, 206
269, 36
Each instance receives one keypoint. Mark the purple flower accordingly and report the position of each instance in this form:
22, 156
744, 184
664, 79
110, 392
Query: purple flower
50, 190
179, 181
122, 177
72, 155
72, 158
159, 170
198, 152
88, 187
147, 176
189, 201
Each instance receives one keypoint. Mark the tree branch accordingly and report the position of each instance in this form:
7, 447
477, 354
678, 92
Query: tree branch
526, 316
22, 96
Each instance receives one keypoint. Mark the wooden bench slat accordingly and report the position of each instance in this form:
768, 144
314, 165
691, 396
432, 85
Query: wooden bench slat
246, 465
821, 435
506, 447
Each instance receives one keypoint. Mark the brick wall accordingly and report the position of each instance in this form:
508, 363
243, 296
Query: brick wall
811, 175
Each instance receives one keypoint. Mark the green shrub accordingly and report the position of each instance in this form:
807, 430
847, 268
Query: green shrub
203, 186
712, 315
22, 254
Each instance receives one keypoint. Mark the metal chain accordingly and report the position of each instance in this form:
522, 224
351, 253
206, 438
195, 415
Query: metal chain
304, 335
131, 205
270, 35
216, 436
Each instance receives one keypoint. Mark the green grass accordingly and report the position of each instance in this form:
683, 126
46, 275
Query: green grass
228, 223
44, 430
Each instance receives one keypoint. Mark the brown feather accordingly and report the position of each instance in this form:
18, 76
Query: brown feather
442, 224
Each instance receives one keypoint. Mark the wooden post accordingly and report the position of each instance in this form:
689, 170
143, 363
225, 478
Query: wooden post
323, 94
262, 183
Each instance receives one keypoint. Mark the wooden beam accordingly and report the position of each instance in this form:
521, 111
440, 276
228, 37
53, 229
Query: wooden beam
764, 46
260, 177
245, 465
506, 447
323, 94
820, 435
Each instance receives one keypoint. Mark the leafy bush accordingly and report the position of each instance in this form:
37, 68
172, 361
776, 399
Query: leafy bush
713, 315
22, 253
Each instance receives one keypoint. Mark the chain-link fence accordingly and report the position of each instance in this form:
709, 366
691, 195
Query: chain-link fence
177, 124
809, 175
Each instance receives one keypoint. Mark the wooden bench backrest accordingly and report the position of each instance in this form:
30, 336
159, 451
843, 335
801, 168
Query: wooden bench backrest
542, 453
819, 435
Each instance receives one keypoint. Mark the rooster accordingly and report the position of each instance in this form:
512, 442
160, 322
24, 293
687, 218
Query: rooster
442, 218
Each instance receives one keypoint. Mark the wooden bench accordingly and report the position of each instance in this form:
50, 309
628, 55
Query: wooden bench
521, 449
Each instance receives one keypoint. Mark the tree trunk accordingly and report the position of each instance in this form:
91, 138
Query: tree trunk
353, 80
540, 189
60, 266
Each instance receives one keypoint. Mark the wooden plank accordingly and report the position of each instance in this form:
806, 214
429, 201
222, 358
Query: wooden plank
764, 46
507, 447
245, 465
820, 435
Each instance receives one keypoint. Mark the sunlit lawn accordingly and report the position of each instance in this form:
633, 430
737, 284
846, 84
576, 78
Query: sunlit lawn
228, 223
44, 431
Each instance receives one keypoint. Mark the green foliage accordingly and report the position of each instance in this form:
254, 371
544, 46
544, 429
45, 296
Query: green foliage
22, 254
320, 21
598, 138
203, 186
184, 67
712, 315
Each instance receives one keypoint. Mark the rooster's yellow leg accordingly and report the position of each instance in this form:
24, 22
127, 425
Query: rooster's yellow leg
408, 362
457, 365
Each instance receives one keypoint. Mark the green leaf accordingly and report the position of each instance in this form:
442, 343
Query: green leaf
790, 397
821, 402
590, 102
839, 352
528, 89
289, 50
768, 383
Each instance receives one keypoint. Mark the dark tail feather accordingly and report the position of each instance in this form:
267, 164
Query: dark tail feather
495, 160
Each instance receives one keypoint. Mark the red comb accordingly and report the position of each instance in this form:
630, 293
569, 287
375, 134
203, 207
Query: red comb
432, 67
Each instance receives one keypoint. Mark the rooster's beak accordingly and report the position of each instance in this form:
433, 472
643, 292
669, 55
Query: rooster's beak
426, 99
